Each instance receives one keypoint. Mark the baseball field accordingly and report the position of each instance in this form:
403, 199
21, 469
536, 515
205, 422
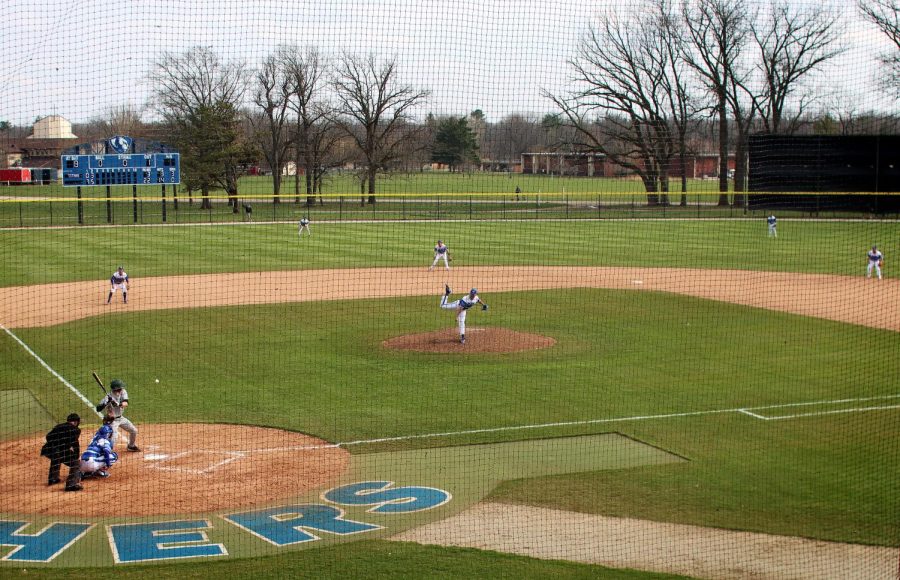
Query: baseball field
643, 398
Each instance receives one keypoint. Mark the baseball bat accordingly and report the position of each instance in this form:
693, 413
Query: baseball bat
99, 382
103, 388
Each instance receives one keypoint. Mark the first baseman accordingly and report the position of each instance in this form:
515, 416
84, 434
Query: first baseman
118, 281
876, 260
116, 401
462, 306
441, 252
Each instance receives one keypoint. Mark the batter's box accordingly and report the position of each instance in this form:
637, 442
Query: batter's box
194, 462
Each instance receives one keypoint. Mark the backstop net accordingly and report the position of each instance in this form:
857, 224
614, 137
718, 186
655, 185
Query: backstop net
596, 289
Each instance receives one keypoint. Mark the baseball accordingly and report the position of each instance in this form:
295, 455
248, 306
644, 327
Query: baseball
157, 380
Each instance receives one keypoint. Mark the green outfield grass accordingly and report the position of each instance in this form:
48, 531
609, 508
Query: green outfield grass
369, 559
35, 257
320, 369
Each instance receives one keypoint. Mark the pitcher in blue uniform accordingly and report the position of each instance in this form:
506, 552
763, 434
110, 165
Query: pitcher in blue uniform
462, 306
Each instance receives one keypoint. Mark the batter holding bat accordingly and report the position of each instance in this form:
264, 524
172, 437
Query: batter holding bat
115, 403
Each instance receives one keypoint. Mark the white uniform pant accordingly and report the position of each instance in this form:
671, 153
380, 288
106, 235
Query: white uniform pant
460, 316
772, 232
873, 265
92, 465
126, 425
437, 259
303, 227
114, 287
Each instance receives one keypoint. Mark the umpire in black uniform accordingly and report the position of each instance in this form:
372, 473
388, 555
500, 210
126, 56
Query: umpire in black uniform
62, 447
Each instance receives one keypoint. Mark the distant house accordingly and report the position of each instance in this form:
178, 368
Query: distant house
49, 137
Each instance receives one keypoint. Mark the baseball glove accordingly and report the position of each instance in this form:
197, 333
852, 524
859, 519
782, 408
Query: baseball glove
484, 307
881, 263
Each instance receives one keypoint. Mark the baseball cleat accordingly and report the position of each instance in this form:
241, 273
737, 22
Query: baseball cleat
446, 290
53, 482
134, 448
102, 474
76, 487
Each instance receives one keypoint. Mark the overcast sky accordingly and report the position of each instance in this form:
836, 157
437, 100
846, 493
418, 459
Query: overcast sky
77, 58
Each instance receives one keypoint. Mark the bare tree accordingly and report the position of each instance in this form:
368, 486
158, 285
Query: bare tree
314, 135
270, 128
121, 120
508, 138
885, 14
717, 31
793, 42
373, 107
629, 75
190, 87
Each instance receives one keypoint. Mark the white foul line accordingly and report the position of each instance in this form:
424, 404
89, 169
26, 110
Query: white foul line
61, 378
743, 410
836, 411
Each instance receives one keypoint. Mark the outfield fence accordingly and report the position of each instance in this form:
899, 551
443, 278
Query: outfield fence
178, 208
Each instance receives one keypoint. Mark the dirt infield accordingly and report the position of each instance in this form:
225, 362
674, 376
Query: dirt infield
182, 469
497, 340
845, 299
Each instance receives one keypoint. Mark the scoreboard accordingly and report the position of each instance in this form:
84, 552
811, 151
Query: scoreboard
121, 169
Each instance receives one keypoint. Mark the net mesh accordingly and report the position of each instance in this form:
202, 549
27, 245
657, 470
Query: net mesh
509, 276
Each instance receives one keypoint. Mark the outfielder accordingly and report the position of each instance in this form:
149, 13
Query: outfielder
772, 221
876, 260
304, 225
441, 252
118, 281
116, 401
462, 307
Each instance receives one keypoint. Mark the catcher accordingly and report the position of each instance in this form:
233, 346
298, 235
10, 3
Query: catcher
876, 261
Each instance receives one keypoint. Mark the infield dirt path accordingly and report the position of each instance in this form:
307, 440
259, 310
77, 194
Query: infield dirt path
854, 300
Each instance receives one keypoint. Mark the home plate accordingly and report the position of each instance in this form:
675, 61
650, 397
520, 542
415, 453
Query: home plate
637, 281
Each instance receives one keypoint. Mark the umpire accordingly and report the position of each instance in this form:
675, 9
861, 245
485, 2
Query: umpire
62, 447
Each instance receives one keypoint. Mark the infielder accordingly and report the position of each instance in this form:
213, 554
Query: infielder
118, 281
462, 307
116, 401
304, 225
441, 252
97, 458
876, 260
772, 221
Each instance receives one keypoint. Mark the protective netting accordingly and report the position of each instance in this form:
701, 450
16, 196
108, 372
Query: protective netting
585, 286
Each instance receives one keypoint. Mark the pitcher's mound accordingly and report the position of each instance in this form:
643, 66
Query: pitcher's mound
477, 340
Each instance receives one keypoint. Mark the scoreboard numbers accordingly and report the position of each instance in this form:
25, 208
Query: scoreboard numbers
121, 169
